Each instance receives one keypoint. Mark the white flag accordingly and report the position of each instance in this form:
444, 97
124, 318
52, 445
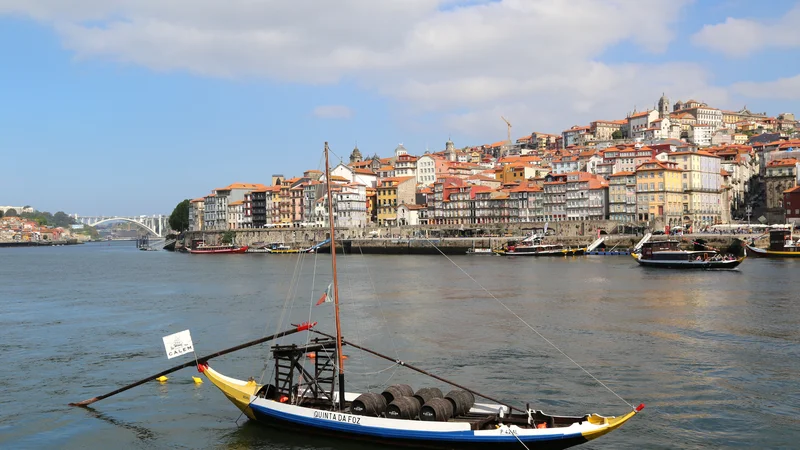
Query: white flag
179, 343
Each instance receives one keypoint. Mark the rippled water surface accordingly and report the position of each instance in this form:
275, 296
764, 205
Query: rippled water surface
714, 355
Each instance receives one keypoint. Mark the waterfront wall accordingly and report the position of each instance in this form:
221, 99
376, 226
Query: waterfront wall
425, 240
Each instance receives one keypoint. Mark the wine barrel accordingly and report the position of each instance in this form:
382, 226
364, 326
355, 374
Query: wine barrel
396, 391
403, 408
436, 410
462, 401
425, 394
368, 404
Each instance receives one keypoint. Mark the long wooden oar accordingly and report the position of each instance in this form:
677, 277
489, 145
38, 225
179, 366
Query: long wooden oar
202, 359
417, 369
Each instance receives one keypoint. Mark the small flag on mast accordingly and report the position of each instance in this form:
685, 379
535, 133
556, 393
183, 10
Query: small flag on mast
178, 344
327, 296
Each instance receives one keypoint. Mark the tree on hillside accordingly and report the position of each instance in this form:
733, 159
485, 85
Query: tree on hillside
179, 219
617, 134
12, 213
1, 214
62, 219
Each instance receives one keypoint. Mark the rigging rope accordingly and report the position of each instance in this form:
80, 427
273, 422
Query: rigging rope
500, 302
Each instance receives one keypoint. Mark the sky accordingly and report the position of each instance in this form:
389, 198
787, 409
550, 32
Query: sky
127, 107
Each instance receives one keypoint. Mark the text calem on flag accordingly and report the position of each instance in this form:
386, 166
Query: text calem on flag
178, 344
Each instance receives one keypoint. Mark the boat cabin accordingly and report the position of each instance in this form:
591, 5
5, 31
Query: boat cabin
781, 241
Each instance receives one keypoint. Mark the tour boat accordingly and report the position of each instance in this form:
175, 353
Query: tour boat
781, 245
667, 255
534, 246
313, 400
203, 249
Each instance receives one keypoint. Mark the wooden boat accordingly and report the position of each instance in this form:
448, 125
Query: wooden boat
781, 245
667, 255
480, 251
203, 249
313, 400
279, 248
534, 246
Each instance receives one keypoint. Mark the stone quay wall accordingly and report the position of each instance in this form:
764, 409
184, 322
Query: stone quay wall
450, 239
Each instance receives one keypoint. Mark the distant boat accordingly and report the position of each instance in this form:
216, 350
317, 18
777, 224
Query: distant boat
667, 255
203, 249
281, 248
781, 245
480, 251
534, 246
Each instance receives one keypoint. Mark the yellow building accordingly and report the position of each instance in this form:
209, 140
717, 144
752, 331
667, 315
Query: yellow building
659, 194
391, 193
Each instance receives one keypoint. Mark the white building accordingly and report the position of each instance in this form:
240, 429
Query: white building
408, 214
639, 122
405, 165
350, 206
361, 176
565, 165
426, 169
235, 215
700, 135
709, 116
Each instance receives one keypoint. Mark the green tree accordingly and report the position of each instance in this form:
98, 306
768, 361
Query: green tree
12, 213
62, 219
1, 214
227, 237
179, 219
617, 134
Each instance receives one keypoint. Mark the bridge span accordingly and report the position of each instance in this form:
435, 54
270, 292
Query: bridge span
158, 224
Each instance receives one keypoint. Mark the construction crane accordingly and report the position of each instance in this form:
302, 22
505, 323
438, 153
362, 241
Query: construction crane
509, 134
509, 128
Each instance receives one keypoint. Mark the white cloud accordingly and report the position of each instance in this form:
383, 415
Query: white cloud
743, 37
463, 62
782, 89
333, 112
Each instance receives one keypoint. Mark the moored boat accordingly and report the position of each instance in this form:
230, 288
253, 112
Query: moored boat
781, 245
534, 246
480, 251
203, 249
280, 248
667, 255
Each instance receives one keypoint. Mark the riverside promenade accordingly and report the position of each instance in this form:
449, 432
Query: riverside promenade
431, 239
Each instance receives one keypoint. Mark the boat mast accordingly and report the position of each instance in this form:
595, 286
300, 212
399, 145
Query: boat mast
339, 359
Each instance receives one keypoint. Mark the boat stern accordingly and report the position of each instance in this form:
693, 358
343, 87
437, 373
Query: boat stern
239, 392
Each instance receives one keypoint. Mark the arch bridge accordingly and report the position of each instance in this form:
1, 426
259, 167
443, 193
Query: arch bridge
158, 224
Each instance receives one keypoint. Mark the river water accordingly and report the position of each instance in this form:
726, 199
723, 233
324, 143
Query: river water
714, 355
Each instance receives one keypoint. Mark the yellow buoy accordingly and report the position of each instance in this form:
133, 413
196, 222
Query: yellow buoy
197, 380
162, 379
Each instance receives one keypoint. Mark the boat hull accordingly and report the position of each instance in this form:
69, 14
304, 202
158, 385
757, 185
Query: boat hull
219, 251
696, 265
763, 253
407, 433
263, 417
562, 252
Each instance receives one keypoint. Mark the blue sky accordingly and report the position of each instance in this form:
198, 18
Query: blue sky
128, 107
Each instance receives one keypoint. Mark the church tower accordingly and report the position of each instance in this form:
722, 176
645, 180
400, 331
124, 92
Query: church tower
450, 150
663, 107
355, 156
